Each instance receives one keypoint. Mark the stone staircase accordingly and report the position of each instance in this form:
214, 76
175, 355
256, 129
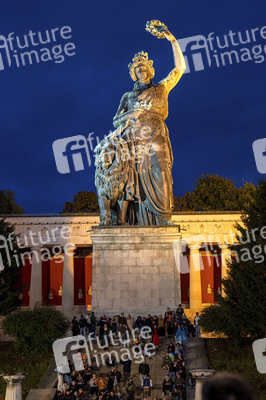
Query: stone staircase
156, 371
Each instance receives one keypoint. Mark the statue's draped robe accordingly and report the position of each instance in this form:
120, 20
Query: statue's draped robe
150, 183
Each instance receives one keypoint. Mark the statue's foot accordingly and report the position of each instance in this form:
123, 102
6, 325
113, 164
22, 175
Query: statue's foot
169, 223
105, 223
123, 223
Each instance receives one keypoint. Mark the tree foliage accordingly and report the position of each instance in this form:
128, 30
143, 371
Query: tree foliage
82, 202
241, 313
10, 270
36, 330
215, 193
8, 203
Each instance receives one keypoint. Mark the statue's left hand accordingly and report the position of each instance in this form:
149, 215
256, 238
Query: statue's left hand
168, 35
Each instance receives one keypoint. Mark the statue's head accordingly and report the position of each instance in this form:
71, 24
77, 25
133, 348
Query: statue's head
141, 68
105, 152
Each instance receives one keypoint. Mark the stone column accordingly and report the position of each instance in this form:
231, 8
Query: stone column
224, 258
13, 388
195, 278
200, 375
68, 280
36, 277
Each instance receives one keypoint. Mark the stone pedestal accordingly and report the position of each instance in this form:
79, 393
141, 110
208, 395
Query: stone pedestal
200, 375
13, 388
135, 269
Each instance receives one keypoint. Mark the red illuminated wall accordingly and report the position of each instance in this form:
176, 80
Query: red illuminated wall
88, 278
210, 275
184, 279
79, 280
52, 278
55, 280
82, 280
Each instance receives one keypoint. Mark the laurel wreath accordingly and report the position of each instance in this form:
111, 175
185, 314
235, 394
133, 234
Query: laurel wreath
156, 28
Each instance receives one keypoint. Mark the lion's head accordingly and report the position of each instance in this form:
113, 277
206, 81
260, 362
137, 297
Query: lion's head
112, 166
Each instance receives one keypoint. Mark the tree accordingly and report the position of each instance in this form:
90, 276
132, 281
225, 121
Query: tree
215, 193
241, 313
83, 202
10, 271
36, 330
183, 203
8, 204
246, 195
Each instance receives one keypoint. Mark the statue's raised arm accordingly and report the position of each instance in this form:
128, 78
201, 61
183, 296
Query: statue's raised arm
161, 31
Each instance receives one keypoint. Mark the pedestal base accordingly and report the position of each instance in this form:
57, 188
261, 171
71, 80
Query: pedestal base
135, 269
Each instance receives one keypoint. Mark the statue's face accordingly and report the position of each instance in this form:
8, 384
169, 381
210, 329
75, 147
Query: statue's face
142, 73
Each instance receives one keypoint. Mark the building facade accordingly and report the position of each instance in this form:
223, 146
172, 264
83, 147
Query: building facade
57, 253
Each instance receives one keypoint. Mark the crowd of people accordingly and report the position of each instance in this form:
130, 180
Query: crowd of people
119, 382
162, 326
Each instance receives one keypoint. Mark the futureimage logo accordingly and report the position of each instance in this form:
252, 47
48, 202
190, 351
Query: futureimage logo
73, 153
96, 351
70, 348
13, 47
259, 149
202, 52
259, 350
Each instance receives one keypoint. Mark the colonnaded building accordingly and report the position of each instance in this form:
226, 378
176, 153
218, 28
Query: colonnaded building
72, 263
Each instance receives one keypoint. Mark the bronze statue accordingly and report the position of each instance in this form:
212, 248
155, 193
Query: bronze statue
147, 195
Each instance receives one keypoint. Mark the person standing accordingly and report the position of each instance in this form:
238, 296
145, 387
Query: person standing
179, 311
105, 336
88, 318
172, 371
122, 321
144, 370
82, 325
93, 324
185, 323
75, 326
155, 337
116, 375
161, 331
130, 324
130, 389
126, 370
147, 385
181, 336
197, 325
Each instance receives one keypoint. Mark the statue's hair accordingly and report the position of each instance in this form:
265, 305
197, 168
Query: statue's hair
141, 58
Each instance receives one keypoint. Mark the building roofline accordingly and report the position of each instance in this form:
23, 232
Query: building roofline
205, 212
97, 214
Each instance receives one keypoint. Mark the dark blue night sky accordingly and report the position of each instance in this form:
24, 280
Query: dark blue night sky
215, 114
